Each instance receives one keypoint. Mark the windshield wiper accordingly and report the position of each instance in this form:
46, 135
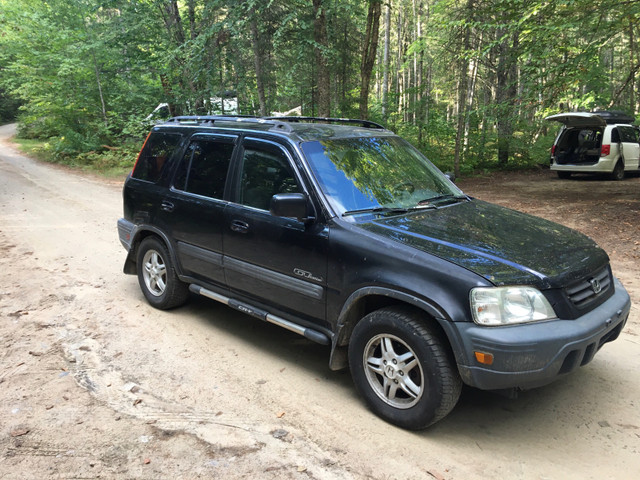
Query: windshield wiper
397, 210
438, 198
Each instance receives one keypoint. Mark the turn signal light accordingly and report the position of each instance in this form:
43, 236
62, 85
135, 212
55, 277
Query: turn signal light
605, 150
484, 358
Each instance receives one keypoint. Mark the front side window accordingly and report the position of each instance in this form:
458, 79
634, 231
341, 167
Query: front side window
265, 173
376, 173
154, 156
204, 167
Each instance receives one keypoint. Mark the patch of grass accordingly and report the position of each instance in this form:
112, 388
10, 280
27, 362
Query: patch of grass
109, 163
34, 148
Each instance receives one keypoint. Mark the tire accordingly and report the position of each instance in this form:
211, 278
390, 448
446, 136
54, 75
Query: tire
618, 171
564, 175
157, 277
403, 369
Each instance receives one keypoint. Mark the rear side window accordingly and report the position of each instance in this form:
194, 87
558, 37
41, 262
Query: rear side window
615, 136
154, 156
628, 134
204, 167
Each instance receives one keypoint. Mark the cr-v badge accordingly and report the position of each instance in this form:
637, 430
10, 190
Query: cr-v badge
308, 275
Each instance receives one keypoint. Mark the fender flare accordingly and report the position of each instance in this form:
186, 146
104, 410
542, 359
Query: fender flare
137, 233
347, 320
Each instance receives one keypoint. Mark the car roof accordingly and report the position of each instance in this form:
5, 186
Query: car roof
591, 119
300, 128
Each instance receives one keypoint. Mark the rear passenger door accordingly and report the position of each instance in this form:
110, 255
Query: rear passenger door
630, 147
192, 211
275, 261
148, 181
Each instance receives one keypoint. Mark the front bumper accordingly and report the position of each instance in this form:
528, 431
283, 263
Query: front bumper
535, 354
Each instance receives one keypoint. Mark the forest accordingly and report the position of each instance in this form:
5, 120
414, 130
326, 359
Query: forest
468, 82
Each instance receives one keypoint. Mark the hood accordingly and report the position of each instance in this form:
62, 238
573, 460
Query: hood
504, 246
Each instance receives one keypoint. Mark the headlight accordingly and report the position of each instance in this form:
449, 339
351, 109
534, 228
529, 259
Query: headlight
509, 305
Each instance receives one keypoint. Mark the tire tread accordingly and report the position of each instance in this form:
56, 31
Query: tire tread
412, 322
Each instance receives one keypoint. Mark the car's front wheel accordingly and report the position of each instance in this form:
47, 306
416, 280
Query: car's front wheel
157, 277
402, 368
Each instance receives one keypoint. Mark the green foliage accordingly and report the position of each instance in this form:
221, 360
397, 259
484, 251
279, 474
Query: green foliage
86, 73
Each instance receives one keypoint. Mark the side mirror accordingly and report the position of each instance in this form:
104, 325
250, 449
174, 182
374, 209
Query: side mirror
451, 176
290, 205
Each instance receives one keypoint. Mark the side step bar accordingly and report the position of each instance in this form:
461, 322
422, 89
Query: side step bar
263, 315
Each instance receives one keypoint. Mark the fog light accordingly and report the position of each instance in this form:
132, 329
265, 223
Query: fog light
484, 358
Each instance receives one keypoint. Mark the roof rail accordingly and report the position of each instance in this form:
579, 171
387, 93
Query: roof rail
213, 118
280, 123
362, 123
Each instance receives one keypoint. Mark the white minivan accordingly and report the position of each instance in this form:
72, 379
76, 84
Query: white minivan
595, 142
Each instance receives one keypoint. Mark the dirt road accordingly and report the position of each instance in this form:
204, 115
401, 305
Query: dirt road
95, 383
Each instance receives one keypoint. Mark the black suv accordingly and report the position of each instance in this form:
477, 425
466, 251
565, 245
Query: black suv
341, 231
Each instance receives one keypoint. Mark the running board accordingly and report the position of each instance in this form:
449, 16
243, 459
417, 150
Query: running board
263, 315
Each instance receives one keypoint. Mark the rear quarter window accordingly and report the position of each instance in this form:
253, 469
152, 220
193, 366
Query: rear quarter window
615, 136
155, 155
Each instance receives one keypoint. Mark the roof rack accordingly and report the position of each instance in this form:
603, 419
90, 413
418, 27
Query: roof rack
212, 118
279, 123
614, 116
349, 121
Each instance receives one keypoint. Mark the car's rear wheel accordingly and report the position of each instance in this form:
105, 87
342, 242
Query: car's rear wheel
402, 368
157, 277
618, 171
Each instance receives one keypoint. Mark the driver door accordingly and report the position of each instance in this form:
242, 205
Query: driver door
275, 261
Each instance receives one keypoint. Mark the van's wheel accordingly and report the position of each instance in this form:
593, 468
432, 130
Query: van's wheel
402, 368
564, 175
618, 171
157, 277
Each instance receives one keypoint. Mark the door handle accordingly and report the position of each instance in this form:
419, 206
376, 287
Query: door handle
239, 226
167, 206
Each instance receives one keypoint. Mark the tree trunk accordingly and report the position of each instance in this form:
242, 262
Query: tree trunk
463, 68
192, 19
419, 74
174, 22
398, 102
369, 54
258, 62
385, 78
102, 103
322, 42
632, 52
506, 96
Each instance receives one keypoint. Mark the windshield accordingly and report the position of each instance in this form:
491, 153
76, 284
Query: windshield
376, 175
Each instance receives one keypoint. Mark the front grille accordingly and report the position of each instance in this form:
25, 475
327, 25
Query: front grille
590, 289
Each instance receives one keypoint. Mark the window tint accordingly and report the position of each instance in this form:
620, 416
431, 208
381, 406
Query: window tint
615, 136
628, 134
204, 167
264, 174
155, 155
